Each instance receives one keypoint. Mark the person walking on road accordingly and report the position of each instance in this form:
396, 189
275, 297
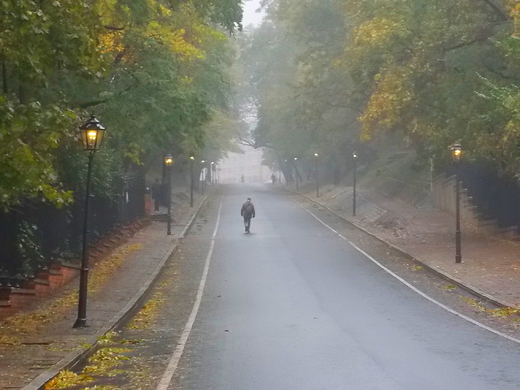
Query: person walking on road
248, 212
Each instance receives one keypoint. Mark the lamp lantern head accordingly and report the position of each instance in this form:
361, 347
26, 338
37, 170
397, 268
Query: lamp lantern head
168, 160
456, 152
92, 134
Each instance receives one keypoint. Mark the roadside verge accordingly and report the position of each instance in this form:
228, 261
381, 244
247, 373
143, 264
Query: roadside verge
445, 275
132, 304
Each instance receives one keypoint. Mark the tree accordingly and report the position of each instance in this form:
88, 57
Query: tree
306, 102
432, 71
155, 72
32, 126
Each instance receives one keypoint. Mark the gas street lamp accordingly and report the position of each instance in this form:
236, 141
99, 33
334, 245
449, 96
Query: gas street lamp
317, 177
203, 176
191, 180
354, 158
456, 154
168, 162
92, 134
296, 172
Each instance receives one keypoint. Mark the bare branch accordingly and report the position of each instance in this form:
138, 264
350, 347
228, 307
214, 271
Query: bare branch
463, 44
497, 10
119, 56
93, 103
222, 78
97, 102
502, 75
252, 144
113, 28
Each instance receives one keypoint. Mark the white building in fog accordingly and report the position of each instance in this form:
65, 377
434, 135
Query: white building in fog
247, 164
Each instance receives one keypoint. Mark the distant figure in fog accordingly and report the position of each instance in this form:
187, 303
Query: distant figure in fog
242, 179
248, 212
156, 194
273, 178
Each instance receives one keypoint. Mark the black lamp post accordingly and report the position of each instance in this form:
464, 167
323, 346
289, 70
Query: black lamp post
191, 180
92, 134
296, 172
287, 168
168, 161
317, 177
354, 158
456, 155
203, 177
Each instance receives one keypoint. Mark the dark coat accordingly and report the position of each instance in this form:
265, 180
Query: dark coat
248, 210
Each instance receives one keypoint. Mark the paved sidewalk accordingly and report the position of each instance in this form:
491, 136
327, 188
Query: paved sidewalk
490, 265
37, 357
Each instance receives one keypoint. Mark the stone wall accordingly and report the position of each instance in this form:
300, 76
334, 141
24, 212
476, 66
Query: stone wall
444, 199
27, 294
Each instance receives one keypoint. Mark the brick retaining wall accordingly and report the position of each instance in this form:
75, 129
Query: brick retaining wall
45, 283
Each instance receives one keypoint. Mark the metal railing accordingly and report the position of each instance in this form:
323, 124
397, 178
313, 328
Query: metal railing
35, 234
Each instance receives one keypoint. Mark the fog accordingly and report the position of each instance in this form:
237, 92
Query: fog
333, 77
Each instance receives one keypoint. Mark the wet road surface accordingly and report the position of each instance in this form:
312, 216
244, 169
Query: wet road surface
293, 306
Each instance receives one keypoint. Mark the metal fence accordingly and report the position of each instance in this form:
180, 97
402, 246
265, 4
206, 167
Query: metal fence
37, 233
496, 197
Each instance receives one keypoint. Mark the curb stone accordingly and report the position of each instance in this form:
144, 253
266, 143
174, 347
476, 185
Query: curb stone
128, 310
450, 278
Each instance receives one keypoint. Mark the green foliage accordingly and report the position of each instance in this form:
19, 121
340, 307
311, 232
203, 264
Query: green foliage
426, 66
39, 37
37, 40
305, 101
227, 13
325, 75
154, 72
29, 249
29, 138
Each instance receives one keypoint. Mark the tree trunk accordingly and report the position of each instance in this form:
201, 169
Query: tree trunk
297, 172
286, 169
4, 74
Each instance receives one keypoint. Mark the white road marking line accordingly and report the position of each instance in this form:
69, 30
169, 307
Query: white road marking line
479, 324
177, 354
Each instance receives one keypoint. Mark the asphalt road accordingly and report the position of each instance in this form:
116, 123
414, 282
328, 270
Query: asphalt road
293, 306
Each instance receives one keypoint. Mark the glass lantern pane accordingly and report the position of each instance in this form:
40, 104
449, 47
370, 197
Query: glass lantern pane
92, 136
100, 137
